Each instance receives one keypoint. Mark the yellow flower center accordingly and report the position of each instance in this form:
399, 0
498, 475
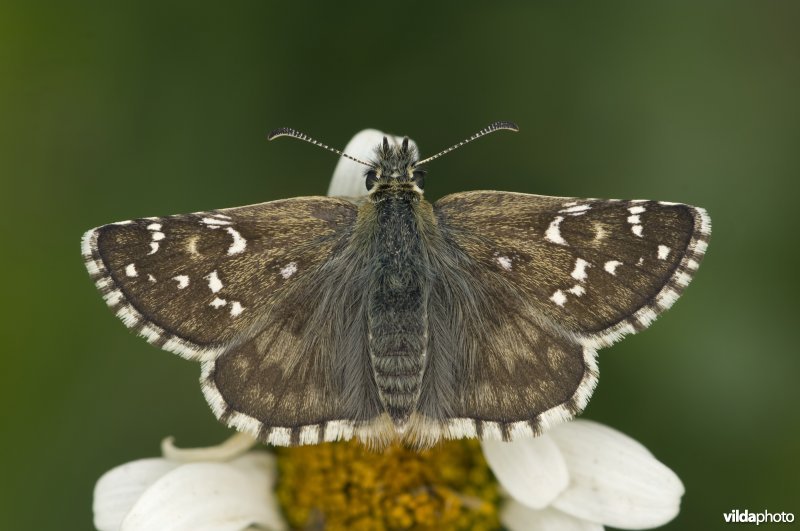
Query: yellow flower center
344, 485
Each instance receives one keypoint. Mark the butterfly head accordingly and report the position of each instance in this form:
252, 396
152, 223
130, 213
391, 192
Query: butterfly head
394, 169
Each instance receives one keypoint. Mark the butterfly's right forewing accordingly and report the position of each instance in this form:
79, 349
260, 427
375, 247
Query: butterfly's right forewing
596, 268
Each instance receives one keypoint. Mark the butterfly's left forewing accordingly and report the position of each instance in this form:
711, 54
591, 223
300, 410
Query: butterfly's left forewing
552, 279
243, 290
195, 283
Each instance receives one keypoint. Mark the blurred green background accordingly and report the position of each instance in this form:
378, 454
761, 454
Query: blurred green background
110, 112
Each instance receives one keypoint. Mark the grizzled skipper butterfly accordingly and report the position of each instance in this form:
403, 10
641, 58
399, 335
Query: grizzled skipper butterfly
393, 319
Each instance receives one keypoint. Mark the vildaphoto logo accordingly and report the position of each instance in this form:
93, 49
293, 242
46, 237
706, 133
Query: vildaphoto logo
764, 517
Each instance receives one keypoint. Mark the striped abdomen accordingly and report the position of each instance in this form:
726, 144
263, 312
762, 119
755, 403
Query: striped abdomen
397, 316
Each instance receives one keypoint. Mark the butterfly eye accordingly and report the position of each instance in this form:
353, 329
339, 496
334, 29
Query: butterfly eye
419, 178
372, 176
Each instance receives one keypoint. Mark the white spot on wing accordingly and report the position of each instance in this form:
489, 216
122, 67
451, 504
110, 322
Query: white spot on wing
151, 278
156, 235
183, 281
94, 267
215, 221
645, 316
89, 243
640, 261
189, 350
130, 270
705, 221
214, 283
280, 436
663, 252
289, 270
667, 298
128, 315
600, 232
236, 308
579, 273
504, 262
150, 333
491, 430
553, 232
191, 246
611, 266
460, 428
683, 278
635, 221
239, 243
575, 210
558, 297
218, 303
112, 298
577, 290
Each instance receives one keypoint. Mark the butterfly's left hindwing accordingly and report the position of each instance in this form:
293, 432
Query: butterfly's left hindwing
194, 284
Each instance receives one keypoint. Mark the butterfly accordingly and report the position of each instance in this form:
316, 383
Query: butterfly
391, 319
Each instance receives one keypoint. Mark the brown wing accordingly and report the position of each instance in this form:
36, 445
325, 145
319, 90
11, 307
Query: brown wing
527, 288
266, 297
599, 268
194, 283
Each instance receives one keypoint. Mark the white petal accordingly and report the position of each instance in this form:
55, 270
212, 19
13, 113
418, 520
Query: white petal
614, 479
348, 177
236, 444
516, 517
209, 497
118, 489
531, 470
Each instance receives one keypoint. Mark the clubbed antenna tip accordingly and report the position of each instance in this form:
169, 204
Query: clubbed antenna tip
288, 131
491, 128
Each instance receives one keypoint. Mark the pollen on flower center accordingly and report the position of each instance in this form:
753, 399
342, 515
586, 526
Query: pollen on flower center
343, 485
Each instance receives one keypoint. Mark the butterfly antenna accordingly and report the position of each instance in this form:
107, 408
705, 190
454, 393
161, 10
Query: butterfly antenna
491, 128
287, 131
